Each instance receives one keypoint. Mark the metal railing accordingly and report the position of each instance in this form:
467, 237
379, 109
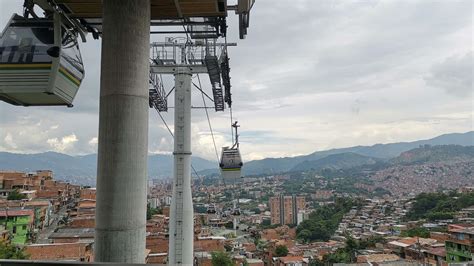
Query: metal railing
4, 262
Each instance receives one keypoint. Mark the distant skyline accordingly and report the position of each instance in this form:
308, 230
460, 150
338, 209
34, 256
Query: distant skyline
326, 74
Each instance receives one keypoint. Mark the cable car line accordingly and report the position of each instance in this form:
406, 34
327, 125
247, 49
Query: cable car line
172, 89
188, 40
231, 122
194, 84
208, 121
166, 124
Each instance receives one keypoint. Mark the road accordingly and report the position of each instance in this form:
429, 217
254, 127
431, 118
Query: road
48, 230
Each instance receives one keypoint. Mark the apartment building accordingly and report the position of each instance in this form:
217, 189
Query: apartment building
460, 245
284, 209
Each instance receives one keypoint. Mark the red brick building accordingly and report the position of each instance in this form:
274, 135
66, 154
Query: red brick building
61, 252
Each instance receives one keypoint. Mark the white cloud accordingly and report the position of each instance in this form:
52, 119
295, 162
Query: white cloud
9, 141
93, 142
64, 145
326, 75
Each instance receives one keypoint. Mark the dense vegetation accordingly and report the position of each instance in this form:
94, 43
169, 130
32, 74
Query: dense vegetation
440, 153
417, 231
280, 251
336, 161
323, 222
439, 206
15, 195
220, 258
9, 251
152, 211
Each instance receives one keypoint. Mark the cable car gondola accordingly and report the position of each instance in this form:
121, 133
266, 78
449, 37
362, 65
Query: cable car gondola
211, 209
236, 212
236, 208
231, 161
40, 62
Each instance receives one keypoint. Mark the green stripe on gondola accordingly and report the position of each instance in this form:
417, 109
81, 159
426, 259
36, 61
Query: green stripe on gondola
69, 76
231, 169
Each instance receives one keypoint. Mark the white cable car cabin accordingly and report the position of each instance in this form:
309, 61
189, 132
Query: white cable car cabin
211, 209
40, 62
231, 164
236, 212
231, 161
236, 209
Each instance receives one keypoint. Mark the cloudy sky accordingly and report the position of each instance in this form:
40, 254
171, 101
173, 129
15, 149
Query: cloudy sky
311, 75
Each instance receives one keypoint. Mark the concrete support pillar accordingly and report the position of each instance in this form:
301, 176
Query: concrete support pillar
123, 132
181, 226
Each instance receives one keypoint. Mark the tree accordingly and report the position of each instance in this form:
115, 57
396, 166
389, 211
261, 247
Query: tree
417, 231
439, 206
340, 256
152, 211
371, 242
316, 262
281, 251
323, 222
220, 258
8, 251
256, 210
266, 222
304, 235
351, 248
351, 244
200, 209
15, 195
229, 225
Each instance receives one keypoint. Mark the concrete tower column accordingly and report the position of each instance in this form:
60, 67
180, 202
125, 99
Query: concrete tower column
123, 132
181, 226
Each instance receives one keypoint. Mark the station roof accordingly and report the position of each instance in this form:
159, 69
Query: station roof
160, 9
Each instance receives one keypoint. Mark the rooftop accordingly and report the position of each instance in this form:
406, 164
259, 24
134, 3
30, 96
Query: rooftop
382, 257
74, 233
291, 259
17, 212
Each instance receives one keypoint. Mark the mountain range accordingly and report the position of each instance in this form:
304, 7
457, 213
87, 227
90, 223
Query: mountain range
82, 169
375, 152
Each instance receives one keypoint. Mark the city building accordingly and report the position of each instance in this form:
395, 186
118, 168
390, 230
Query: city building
81, 251
284, 209
460, 245
19, 223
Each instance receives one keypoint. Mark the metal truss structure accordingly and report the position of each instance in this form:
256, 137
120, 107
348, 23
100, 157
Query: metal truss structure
202, 56
206, 20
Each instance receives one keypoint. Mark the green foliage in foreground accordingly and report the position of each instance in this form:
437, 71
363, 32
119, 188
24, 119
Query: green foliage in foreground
9, 251
220, 258
323, 222
439, 206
